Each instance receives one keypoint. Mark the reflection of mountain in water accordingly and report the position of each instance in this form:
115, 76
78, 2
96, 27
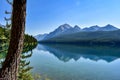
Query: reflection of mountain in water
68, 52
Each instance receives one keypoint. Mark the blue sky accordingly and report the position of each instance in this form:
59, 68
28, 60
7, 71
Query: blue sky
44, 16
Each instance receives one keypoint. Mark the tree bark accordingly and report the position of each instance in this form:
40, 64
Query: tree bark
9, 70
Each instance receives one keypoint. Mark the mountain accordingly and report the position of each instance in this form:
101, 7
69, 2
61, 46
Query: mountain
1, 25
92, 28
68, 30
71, 30
96, 37
58, 31
108, 28
77, 28
98, 28
40, 37
61, 30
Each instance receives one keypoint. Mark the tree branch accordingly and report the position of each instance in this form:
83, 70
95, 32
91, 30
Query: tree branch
9, 2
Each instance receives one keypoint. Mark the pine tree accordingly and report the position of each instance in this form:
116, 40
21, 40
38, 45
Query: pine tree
24, 68
9, 69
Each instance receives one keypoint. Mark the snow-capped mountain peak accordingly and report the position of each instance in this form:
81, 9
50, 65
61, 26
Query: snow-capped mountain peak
92, 28
64, 27
77, 27
67, 29
108, 28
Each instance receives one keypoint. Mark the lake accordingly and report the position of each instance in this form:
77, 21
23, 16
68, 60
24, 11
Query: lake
75, 62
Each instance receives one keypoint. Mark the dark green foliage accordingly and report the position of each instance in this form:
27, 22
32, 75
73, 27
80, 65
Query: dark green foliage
24, 68
98, 37
6, 36
29, 39
29, 43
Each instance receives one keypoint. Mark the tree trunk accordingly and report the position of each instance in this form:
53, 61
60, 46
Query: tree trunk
10, 67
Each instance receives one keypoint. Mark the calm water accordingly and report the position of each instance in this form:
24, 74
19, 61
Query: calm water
73, 62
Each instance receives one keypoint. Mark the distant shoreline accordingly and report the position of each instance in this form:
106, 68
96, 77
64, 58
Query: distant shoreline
113, 43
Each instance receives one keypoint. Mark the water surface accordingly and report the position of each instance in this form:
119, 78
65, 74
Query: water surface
75, 62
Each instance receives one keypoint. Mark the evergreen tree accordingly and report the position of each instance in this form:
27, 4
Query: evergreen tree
24, 68
9, 69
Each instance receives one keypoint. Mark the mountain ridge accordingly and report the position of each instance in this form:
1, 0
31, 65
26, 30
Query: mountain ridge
67, 29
